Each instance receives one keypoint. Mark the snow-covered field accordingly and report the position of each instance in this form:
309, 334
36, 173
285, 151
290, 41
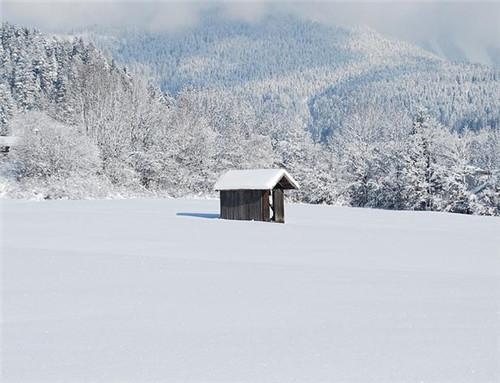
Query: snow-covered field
162, 291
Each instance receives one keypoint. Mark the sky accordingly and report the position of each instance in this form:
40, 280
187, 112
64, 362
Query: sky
456, 30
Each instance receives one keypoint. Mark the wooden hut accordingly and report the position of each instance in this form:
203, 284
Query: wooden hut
7, 142
255, 194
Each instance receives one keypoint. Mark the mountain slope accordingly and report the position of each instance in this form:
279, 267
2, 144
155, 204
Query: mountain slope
309, 63
222, 52
41, 72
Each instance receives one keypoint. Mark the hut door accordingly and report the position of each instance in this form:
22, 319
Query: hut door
278, 206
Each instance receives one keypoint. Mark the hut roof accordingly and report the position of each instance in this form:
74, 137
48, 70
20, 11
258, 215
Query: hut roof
8, 140
255, 179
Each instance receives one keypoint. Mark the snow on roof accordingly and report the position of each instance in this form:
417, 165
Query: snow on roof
8, 140
254, 179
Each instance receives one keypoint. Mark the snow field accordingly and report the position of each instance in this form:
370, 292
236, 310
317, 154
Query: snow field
162, 291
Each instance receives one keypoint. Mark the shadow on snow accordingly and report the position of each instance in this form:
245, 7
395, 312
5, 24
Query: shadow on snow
199, 215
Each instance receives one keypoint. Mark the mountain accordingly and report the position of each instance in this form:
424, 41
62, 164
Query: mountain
322, 72
224, 52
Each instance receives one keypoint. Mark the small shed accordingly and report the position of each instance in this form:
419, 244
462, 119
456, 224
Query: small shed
254, 194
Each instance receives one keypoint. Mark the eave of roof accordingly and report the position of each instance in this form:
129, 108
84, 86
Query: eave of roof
254, 179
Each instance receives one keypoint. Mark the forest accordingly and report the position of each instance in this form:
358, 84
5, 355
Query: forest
359, 120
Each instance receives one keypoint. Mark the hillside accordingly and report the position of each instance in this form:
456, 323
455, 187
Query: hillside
54, 75
318, 72
161, 290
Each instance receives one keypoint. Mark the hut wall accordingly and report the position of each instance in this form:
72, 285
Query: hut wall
245, 204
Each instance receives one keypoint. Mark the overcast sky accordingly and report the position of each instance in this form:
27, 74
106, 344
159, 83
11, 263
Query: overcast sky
458, 30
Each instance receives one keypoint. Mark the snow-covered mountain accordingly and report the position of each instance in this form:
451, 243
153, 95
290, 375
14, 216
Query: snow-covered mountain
330, 70
225, 52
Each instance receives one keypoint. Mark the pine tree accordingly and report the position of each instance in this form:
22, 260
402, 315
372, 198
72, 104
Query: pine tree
7, 109
423, 173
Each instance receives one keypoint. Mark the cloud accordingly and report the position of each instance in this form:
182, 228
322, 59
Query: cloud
451, 29
66, 15
454, 29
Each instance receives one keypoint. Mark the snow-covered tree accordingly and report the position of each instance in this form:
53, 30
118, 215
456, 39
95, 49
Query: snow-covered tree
423, 172
49, 149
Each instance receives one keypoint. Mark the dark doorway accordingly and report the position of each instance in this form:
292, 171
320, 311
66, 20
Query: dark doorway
278, 206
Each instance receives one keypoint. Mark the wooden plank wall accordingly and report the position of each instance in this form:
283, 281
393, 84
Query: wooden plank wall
279, 205
244, 205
